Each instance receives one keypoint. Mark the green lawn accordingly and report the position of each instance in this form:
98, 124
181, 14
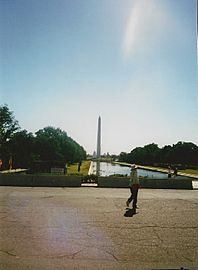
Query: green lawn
73, 168
189, 171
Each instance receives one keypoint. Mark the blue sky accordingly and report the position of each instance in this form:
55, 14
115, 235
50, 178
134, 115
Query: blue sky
133, 62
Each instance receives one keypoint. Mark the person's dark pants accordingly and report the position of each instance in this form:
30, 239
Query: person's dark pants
133, 197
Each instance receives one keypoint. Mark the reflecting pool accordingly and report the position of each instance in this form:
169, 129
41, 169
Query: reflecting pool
107, 169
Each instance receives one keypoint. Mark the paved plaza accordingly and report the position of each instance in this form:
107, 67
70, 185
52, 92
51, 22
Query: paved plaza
90, 228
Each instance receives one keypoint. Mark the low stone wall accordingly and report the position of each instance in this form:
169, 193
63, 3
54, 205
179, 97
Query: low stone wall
40, 181
167, 183
75, 181
113, 182
121, 182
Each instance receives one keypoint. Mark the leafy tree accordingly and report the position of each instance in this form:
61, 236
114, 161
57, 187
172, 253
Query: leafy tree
137, 155
142, 155
184, 153
54, 144
123, 157
166, 154
8, 127
151, 152
21, 146
48, 144
8, 124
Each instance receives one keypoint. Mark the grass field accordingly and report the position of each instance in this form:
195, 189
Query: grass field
189, 171
73, 168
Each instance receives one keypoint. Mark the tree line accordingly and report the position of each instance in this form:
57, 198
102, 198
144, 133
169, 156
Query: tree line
53, 147
49, 146
183, 154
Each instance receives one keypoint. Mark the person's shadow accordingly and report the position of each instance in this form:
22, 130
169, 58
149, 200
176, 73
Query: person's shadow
130, 212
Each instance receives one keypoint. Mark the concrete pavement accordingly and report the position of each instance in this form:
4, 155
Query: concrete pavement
87, 228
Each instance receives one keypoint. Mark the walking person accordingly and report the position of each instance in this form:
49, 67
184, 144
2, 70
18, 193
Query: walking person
175, 172
169, 172
134, 186
79, 165
65, 169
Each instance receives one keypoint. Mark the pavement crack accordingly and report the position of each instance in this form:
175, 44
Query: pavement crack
75, 253
8, 253
47, 197
3, 217
108, 252
188, 259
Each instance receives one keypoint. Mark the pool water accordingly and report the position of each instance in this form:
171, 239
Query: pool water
107, 169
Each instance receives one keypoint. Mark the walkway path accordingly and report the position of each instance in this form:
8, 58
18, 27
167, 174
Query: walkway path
195, 176
85, 228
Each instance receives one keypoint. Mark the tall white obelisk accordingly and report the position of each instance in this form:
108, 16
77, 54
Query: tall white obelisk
98, 153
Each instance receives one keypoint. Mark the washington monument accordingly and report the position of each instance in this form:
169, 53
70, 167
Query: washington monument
98, 153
